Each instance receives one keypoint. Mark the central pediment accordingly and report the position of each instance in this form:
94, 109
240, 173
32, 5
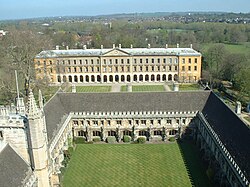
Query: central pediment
116, 52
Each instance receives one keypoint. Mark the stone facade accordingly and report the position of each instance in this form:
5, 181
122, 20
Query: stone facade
122, 65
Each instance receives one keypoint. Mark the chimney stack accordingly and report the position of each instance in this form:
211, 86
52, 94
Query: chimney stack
166, 46
113, 46
120, 46
67, 47
84, 47
177, 45
131, 46
57, 47
191, 46
101, 46
238, 108
149, 46
176, 86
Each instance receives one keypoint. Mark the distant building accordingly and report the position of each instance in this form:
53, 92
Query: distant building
33, 139
119, 65
2, 33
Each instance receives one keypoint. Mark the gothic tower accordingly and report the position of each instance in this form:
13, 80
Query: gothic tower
38, 141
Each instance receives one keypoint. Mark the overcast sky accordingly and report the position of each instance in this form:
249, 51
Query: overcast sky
18, 9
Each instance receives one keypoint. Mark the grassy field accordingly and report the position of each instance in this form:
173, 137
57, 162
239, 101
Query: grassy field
123, 88
243, 48
147, 88
93, 88
127, 165
187, 87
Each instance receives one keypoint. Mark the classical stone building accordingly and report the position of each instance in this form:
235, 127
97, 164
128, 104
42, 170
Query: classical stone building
119, 65
46, 131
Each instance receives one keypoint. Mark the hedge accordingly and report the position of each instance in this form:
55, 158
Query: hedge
96, 139
111, 139
126, 138
141, 140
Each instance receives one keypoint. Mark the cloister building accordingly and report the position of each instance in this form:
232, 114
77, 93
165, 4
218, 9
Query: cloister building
36, 136
119, 65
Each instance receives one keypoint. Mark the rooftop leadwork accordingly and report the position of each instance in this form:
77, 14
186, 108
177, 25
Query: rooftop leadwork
126, 51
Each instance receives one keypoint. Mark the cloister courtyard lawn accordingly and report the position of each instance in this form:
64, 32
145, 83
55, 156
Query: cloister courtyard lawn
126, 165
93, 88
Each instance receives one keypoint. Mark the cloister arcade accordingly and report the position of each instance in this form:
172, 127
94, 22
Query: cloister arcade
107, 78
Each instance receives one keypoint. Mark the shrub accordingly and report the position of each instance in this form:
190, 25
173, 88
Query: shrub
96, 139
79, 140
90, 142
111, 139
171, 139
141, 140
126, 138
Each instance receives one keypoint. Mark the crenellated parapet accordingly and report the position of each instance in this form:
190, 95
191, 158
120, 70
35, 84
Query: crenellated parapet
226, 160
134, 114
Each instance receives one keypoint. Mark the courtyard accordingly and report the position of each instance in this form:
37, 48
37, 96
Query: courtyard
133, 165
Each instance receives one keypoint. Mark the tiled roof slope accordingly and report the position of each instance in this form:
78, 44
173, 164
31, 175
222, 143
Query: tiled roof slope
234, 134
131, 51
63, 103
13, 169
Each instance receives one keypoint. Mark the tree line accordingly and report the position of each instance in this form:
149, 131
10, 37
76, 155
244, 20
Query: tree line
26, 39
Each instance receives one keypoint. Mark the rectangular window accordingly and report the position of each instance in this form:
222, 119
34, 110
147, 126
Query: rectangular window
118, 122
169, 121
140, 68
159, 60
86, 61
75, 62
97, 61
158, 68
170, 60
153, 68
189, 68
146, 60
98, 69
69, 62
104, 61
153, 60
189, 60
104, 69
116, 69
110, 61
92, 61
183, 68
183, 61
196, 60
122, 69
128, 61
195, 68
146, 68
170, 68
143, 122
157, 133
134, 68
141, 61
135, 61
110, 69
122, 61
116, 61
80, 61
92, 69
1, 135
176, 68
164, 60
142, 133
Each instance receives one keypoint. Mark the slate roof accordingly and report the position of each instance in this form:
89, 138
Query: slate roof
131, 51
64, 103
234, 134
13, 169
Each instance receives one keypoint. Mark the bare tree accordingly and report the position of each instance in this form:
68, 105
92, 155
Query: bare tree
18, 51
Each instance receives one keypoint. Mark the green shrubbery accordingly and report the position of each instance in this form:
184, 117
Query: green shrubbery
126, 139
171, 139
141, 140
79, 140
111, 139
96, 139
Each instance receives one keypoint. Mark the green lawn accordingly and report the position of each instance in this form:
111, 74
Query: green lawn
126, 165
123, 88
93, 88
147, 88
187, 87
243, 48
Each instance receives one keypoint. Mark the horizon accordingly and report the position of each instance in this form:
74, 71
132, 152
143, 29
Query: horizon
27, 9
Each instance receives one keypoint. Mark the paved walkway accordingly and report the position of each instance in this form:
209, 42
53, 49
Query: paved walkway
116, 87
167, 88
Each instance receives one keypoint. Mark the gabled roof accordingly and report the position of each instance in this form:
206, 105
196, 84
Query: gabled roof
64, 103
233, 133
13, 169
